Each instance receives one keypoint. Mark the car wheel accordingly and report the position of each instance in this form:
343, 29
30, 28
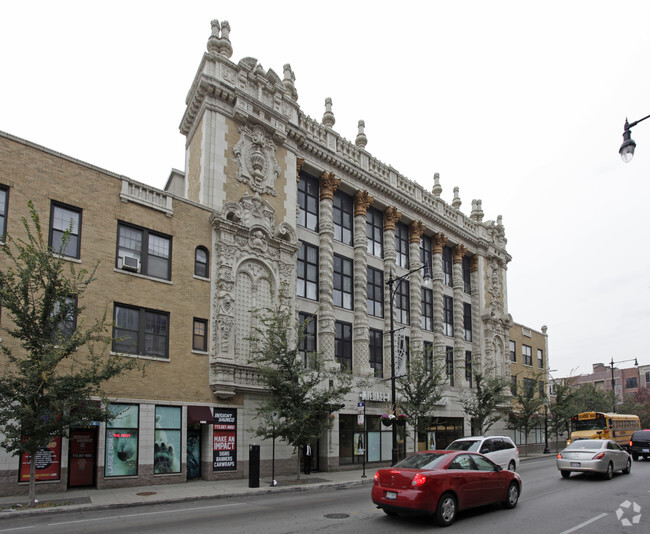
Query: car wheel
610, 471
446, 510
565, 474
628, 467
512, 497
635, 457
512, 466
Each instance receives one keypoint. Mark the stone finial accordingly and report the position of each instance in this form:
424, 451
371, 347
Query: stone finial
437, 188
288, 81
361, 141
456, 203
544, 329
328, 117
219, 41
477, 212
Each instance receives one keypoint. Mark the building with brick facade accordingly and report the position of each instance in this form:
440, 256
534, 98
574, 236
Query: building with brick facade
272, 206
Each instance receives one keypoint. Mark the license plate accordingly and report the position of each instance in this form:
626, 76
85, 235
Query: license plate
646, 450
575, 464
391, 495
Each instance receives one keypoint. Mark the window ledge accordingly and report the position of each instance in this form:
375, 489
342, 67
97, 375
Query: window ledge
201, 278
68, 258
200, 352
140, 357
146, 277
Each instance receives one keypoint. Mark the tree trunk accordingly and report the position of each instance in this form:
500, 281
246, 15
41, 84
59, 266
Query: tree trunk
32, 479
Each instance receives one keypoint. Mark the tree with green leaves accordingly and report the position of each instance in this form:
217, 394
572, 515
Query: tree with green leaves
481, 402
419, 390
589, 398
301, 394
529, 401
561, 409
637, 403
53, 374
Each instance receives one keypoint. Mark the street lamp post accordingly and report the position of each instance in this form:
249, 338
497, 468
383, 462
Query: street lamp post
611, 364
627, 148
391, 291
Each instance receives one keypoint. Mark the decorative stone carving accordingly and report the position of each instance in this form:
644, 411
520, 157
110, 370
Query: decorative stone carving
362, 201
361, 141
299, 163
220, 44
439, 241
328, 116
459, 251
255, 154
328, 185
391, 216
416, 231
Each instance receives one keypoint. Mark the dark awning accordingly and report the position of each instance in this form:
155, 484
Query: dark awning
199, 414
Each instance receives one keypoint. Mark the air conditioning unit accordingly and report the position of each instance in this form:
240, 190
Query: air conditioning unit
129, 263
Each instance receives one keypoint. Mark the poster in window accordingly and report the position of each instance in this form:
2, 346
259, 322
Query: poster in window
359, 448
167, 440
48, 462
225, 439
122, 441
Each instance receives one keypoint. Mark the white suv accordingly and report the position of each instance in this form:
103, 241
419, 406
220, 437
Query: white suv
500, 449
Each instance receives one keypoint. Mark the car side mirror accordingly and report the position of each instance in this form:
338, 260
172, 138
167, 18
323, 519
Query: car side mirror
499, 468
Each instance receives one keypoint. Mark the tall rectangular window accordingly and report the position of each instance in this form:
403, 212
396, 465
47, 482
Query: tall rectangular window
402, 245
343, 345
308, 199
448, 315
527, 353
403, 302
4, 205
67, 314
375, 292
167, 440
428, 354
426, 250
122, 441
427, 309
468, 367
529, 385
467, 321
343, 217
343, 286
467, 275
540, 358
449, 364
65, 218
447, 266
375, 232
307, 282
143, 251
376, 351
307, 345
200, 335
140, 331
513, 351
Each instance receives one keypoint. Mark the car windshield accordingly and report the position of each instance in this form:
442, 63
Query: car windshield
424, 460
464, 445
586, 444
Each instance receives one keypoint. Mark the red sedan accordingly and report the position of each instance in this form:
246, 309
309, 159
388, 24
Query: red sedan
441, 483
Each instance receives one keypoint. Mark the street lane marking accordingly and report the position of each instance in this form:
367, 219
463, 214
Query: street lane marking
578, 527
15, 528
145, 513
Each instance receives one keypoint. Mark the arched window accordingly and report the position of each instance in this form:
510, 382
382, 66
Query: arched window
201, 262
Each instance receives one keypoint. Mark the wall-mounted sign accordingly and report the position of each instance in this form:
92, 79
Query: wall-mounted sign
225, 439
48, 462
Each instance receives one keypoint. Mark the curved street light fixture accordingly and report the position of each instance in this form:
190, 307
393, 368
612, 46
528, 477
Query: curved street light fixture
611, 365
391, 291
627, 148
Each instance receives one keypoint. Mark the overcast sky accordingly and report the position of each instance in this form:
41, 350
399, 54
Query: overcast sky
520, 104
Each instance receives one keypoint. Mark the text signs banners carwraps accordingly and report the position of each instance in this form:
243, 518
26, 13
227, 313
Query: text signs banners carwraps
225, 439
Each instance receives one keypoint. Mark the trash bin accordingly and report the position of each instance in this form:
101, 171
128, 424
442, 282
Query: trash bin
254, 466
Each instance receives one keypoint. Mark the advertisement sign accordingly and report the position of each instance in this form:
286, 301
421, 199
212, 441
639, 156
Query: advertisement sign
225, 439
48, 462
122, 441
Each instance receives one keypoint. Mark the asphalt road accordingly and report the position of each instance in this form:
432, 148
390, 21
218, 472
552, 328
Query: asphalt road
549, 504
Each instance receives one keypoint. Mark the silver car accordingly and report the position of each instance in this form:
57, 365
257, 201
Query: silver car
602, 456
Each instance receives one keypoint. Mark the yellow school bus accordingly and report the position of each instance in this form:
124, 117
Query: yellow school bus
599, 425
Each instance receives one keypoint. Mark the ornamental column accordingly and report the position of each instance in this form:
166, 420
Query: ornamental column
415, 233
477, 353
326, 321
391, 216
459, 316
361, 337
437, 277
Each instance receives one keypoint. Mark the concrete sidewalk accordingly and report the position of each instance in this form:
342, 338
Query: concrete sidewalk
91, 498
